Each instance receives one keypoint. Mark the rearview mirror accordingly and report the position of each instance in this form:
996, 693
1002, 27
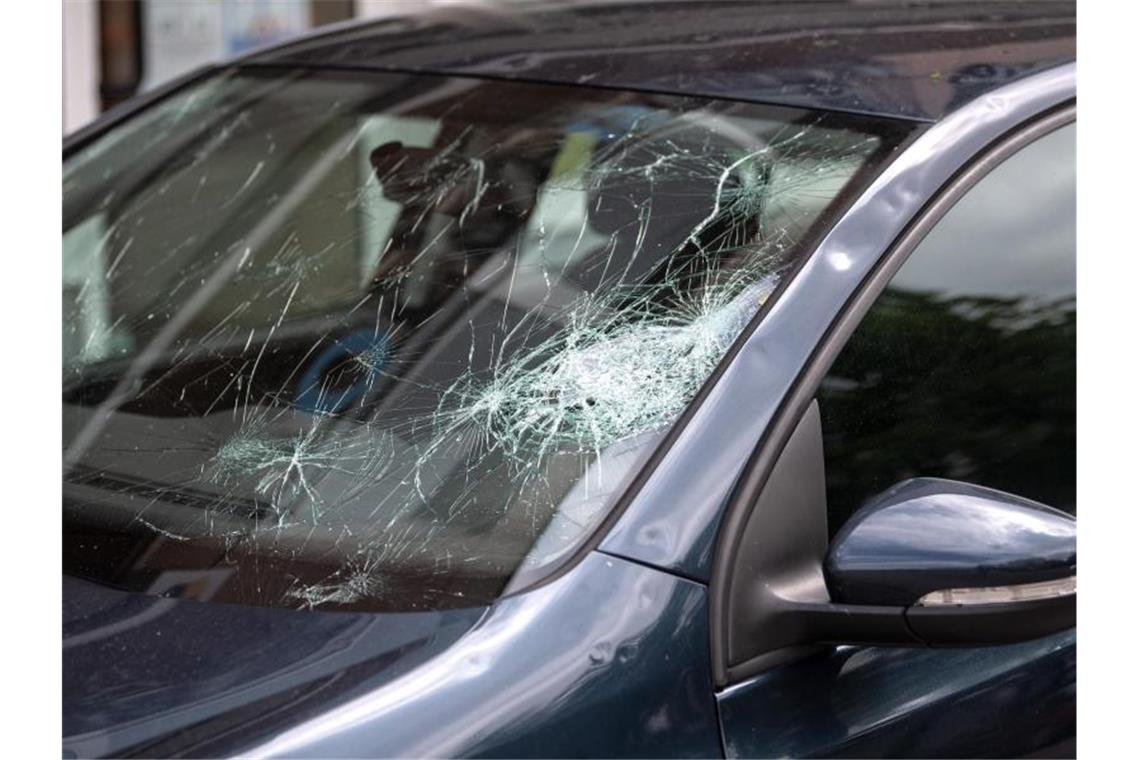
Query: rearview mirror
970, 565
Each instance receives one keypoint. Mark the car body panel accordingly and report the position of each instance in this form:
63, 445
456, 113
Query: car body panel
1002, 701
192, 668
927, 534
917, 61
610, 660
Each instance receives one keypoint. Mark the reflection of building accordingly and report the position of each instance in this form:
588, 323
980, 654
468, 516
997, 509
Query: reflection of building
114, 49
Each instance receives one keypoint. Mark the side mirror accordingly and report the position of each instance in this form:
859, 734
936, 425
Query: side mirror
928, 563
970, 565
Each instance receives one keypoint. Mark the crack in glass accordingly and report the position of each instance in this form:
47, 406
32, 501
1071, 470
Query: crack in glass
374, 343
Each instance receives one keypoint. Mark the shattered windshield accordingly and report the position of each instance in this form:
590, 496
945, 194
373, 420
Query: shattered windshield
387, 342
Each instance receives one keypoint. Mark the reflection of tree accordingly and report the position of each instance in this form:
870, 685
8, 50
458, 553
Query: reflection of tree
975, 389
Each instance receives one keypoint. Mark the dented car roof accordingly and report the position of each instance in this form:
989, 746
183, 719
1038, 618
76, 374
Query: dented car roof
846, 56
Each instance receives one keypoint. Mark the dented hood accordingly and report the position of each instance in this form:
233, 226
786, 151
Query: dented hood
159, 676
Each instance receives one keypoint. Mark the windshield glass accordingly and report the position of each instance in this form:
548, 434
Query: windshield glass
377, 341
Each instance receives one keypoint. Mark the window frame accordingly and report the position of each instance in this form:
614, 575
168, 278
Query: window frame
799, 399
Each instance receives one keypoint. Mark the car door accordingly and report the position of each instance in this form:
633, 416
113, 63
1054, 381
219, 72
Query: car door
964, 367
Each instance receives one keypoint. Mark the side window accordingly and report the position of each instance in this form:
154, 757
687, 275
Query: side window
965, 367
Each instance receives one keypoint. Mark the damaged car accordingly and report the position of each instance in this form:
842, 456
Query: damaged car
580, 380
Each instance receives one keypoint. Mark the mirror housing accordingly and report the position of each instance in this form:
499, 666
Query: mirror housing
927, 534
969, 564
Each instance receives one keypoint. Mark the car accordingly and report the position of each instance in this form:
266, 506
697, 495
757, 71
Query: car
599, 379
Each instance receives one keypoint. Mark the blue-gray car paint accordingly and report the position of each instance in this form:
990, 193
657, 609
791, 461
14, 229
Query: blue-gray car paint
1000, 701
873, 58
926, 534
192, 666
608, 660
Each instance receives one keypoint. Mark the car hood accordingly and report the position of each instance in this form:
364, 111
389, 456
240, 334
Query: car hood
145, 675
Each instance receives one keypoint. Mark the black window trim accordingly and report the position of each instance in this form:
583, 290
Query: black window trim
755, 474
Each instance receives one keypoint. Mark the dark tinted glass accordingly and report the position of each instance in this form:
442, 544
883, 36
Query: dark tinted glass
376, 341
965, 368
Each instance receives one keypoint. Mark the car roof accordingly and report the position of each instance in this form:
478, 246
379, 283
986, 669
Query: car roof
901, 59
